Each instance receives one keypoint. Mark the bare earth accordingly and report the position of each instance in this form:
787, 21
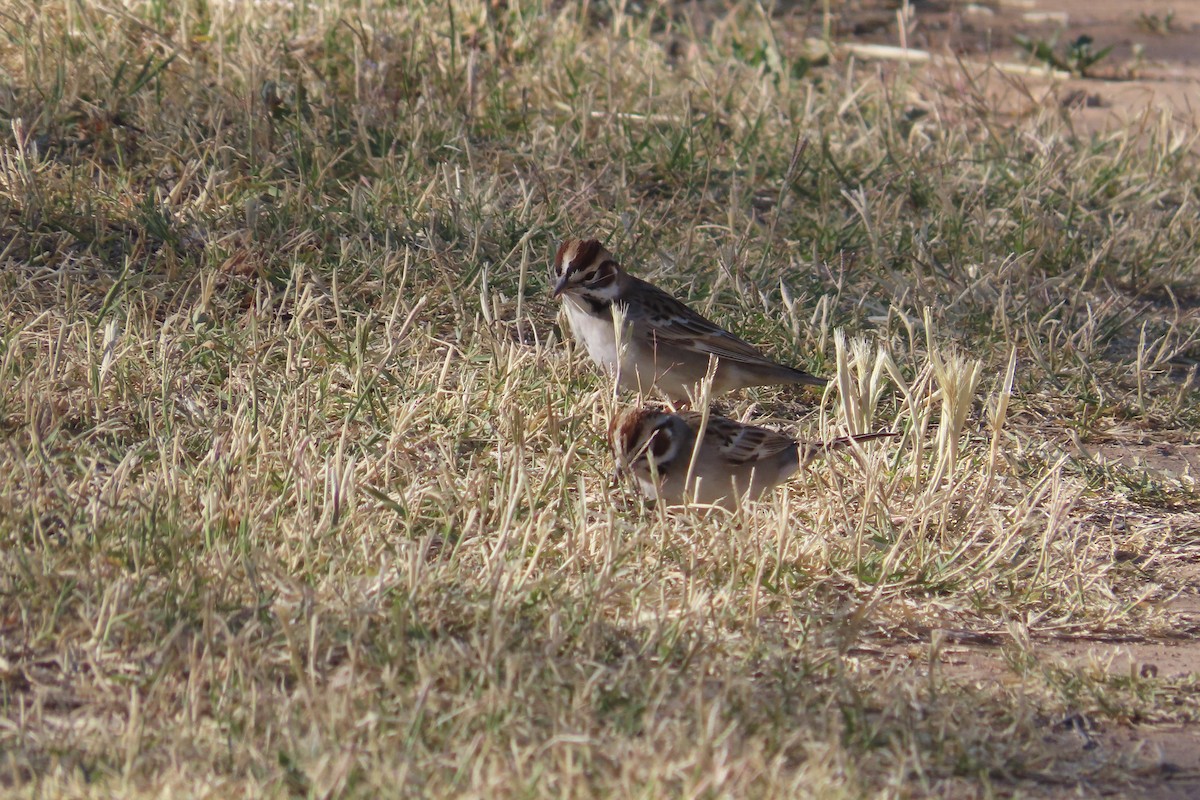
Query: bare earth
1154, 63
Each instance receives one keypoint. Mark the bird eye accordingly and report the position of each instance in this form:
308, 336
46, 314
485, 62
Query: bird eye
660, 443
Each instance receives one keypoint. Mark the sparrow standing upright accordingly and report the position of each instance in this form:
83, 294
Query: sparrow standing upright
664, 343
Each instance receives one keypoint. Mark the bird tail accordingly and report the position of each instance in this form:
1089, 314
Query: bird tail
816, 449
802, 378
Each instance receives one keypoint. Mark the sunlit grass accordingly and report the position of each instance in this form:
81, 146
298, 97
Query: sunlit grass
302, 491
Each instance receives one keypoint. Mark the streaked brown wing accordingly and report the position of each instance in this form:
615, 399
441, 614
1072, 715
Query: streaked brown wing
670, 323
738, 443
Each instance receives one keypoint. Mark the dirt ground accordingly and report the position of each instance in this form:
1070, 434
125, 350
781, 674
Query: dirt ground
1153, 64
1153, 69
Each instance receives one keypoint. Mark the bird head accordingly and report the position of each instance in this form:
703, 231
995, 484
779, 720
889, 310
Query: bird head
585, 268
642, 437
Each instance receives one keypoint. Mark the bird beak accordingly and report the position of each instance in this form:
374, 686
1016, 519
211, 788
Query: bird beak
561, 286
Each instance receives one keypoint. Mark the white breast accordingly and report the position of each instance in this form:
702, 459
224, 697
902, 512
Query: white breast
596, 334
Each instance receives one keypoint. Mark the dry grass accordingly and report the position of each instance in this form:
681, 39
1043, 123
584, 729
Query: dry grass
302, 493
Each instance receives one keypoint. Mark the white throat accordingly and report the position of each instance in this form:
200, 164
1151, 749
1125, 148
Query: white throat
597, 332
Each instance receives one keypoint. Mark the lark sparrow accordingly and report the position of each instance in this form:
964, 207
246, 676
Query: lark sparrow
665, 343
734, 460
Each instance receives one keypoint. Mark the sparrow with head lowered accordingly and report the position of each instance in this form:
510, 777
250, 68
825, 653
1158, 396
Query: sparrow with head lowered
733, 462
664, 343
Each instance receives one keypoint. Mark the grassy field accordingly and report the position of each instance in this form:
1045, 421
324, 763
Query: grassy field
303, 492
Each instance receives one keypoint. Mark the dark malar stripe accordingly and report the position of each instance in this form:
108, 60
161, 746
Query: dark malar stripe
598, 306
